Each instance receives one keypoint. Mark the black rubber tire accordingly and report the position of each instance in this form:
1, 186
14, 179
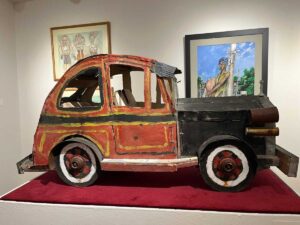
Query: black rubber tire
66, 176
203, 160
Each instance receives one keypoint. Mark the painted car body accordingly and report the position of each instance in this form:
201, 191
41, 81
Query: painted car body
154, 137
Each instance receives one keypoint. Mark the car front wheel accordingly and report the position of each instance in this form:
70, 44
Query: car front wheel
227, 167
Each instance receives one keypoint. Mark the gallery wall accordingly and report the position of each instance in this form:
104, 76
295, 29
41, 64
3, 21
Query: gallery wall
9, 104
156, 29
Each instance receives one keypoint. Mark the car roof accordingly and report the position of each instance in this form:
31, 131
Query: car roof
161, 69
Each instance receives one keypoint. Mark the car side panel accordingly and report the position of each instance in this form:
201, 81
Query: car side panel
47, 137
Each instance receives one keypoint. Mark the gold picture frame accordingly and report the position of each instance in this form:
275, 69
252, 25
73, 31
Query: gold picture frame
72, 43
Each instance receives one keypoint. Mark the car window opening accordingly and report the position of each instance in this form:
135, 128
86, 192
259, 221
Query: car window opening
157, 100
124, 91
82, 91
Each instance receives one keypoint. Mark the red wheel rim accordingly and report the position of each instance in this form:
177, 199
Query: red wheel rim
78, 162
227, 165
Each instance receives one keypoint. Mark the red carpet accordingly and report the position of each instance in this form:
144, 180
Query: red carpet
182, 190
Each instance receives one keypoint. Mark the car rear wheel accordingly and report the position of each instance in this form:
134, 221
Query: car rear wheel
227, 167
76, 165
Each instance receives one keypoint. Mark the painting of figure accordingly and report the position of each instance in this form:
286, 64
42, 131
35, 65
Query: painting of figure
73, 43
65, 51
226, 69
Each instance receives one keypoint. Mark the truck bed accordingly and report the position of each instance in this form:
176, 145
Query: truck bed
216, 104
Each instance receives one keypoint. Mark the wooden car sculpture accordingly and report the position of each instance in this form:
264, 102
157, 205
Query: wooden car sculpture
96, 119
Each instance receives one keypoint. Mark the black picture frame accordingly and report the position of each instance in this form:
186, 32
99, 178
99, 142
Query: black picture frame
264, 32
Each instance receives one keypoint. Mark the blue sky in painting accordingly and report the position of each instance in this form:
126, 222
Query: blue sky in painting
208, 58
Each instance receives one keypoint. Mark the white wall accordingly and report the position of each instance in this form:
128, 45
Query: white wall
9, 110
156, 29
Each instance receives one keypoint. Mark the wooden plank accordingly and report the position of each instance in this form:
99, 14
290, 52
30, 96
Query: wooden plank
288, 162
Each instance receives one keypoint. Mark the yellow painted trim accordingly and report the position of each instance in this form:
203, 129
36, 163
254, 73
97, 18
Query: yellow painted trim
106, 124
42, 142
128, 148
114, 113
45, 133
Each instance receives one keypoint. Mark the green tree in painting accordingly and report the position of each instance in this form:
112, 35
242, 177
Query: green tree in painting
235, 78
200, 87
200, 83
246, 82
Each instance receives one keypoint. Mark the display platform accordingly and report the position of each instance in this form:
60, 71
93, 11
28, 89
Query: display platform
181, 190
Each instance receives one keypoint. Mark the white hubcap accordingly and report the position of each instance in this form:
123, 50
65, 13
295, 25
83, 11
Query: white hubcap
229, 183
64, 169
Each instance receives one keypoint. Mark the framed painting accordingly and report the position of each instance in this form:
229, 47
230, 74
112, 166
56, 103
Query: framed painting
73, 43
229, 63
